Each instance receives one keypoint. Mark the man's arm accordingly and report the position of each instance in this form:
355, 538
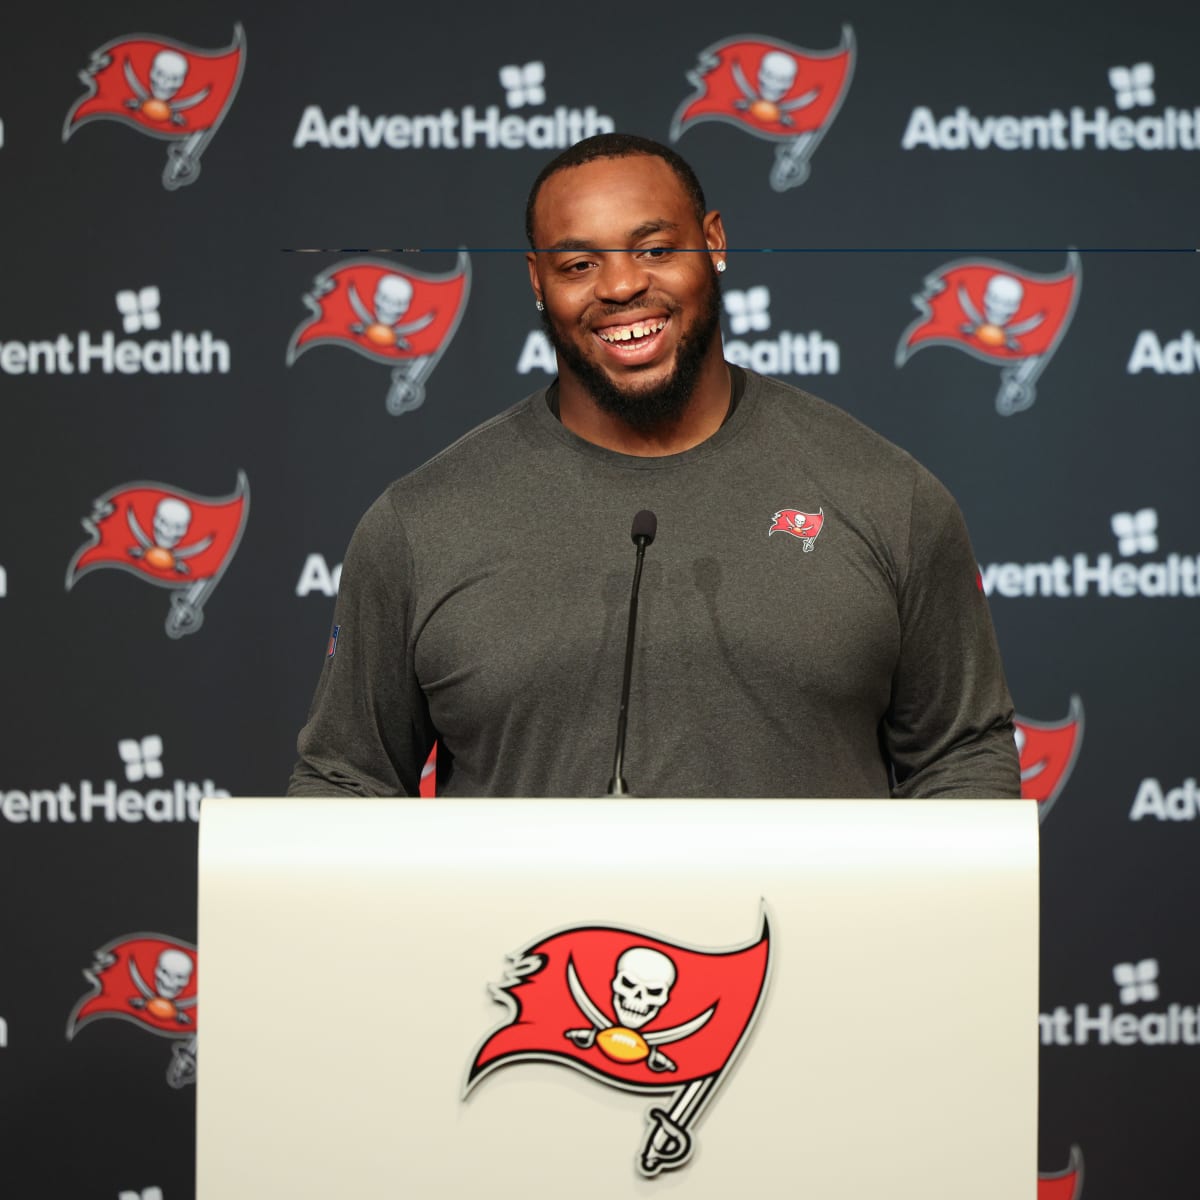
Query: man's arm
368, 732
948, 730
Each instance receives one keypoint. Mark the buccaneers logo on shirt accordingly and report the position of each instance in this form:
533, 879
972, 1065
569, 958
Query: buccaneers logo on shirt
999, 314
635, 1012
802, 525
166, 90
149, 980
167, 537
403, 318
1048, 750
772, 90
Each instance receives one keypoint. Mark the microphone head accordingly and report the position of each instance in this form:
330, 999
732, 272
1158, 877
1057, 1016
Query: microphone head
645, 526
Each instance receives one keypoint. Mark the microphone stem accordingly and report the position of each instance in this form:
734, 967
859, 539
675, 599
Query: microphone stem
617, 785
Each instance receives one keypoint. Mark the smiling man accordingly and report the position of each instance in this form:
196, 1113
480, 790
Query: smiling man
852, 655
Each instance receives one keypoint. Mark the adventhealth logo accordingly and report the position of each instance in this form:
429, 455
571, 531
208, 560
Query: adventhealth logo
1136, 534
178, 353
785, 353
524, 84
1079, 128
1137, 984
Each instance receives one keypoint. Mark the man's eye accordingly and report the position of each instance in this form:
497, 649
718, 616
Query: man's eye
656, 251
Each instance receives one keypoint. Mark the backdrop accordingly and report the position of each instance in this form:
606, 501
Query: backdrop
980, 224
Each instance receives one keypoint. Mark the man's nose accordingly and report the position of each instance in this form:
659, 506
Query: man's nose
621, 277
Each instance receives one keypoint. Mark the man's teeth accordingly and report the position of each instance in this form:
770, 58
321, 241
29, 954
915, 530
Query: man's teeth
632, 332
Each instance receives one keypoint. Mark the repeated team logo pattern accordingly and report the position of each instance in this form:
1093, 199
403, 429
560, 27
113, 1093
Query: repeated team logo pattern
148, 979
998, 314
772, 90
1047, 752
635, 1012
166, 90
403, 318
167, 537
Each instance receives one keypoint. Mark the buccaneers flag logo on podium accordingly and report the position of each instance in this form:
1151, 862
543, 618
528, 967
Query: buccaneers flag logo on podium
167, 90
635, 1012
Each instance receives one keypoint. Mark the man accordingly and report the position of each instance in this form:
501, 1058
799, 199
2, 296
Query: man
810, 619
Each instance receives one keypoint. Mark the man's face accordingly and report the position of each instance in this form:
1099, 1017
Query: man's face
630, 291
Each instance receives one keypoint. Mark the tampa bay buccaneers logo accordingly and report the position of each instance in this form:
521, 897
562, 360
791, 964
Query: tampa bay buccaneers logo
635, 1012
149, 980
165, 89
802, 525
772, 90
167, 537
403, 318
999, 314
1048, 750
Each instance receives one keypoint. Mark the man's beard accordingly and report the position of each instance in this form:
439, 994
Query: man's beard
647, 410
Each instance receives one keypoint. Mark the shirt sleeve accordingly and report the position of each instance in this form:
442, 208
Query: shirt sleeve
368, 731
948, 730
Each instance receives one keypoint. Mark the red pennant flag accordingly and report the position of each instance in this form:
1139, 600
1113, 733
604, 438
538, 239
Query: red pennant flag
1063, 1185
1048, 750
167, 536
635, 1011
799, 524
771, 88
993, 311
381, 312
145, 978
161, 86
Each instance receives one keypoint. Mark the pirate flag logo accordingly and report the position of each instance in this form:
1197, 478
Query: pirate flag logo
165, 89
403, 318
772, 90
1047, 751
802, 525
167, 537
635, 1012
998, 314
149, 980
1063, 1185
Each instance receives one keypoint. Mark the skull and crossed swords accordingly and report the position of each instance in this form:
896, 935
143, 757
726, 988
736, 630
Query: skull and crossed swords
641, 989
172, 517
167, 73
172, 973
1001, 299
380, 324
776, 75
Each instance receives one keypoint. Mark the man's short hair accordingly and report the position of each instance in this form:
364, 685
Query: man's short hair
616, 145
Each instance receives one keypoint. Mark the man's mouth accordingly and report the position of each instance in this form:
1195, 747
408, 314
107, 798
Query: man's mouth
636, 331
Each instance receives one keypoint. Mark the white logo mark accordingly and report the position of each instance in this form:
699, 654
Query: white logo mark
150, 1193
523, 84
142, 758
1137, 981
1132, 86
748, 310
1136, 533
139, 310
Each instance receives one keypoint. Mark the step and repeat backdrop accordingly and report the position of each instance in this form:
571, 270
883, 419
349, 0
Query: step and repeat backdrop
971, 227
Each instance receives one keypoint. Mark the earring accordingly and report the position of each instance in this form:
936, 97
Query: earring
721, 266
539, 306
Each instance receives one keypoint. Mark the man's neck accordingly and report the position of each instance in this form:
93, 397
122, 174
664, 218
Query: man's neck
704, 414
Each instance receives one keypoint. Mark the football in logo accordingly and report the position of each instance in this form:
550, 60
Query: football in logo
149, 980
999, 314
634, 1012
403, 318
166, 90
167, 537
772, 90
1047, 751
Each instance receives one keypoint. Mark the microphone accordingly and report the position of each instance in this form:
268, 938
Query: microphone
645, 526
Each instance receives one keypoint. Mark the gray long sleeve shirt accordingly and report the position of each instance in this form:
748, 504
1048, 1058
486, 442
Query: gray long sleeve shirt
484, 598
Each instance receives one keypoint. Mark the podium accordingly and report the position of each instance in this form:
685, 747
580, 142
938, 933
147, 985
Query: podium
826, 999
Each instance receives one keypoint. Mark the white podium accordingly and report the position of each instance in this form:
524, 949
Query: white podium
834, 1000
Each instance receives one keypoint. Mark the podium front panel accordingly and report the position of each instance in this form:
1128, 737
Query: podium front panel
432, 998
